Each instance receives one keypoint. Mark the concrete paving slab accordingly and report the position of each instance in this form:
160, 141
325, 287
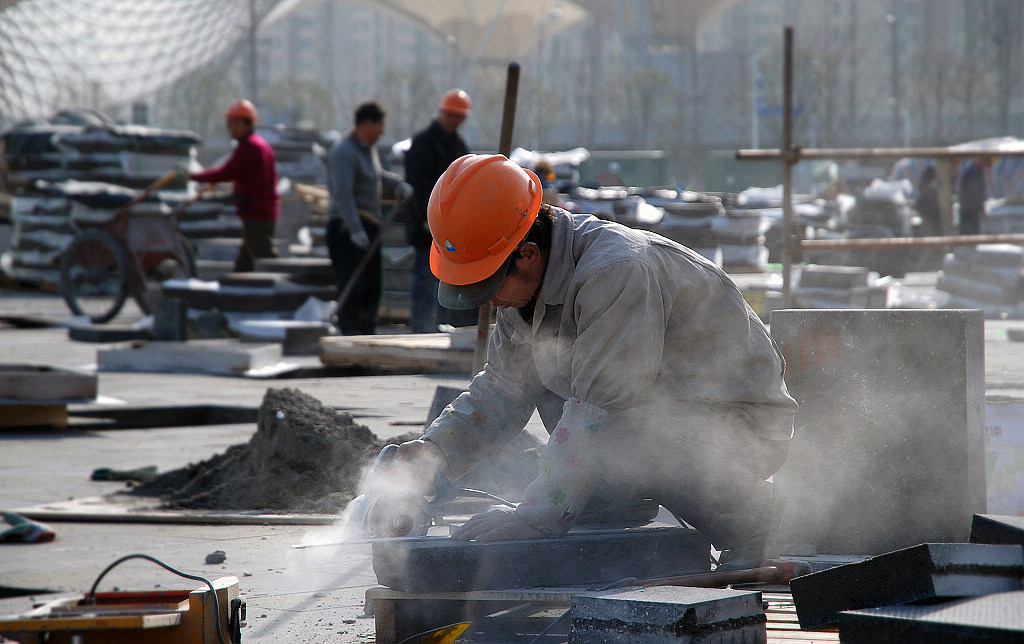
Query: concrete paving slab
667, 614
980, 620
924, 572
223, 357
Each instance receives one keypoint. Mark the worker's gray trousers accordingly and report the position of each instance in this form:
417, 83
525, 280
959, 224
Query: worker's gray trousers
708, 467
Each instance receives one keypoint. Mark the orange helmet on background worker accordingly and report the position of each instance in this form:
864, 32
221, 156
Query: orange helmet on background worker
241, 108
456, 101
479, 210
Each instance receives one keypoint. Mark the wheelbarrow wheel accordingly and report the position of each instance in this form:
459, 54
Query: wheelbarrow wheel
94, 276
167, 266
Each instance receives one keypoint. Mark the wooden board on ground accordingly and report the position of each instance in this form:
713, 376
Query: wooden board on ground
129, 509
54, 416
408, 350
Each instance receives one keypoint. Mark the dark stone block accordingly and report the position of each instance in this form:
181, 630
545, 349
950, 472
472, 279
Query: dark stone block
304, 340
996, 528
924, 572
673, 614
170, 320
979, 620
107, 333
581, 558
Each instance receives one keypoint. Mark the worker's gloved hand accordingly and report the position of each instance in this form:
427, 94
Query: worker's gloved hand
496, 525
182, 172
359, 239
404, 191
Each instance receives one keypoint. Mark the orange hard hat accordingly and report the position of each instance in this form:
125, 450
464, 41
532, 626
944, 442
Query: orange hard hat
479, 210
242, 109
456, 101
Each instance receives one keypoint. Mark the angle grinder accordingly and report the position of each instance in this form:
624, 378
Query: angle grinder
394, 504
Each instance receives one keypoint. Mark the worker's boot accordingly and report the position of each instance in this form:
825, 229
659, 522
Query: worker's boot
756, 542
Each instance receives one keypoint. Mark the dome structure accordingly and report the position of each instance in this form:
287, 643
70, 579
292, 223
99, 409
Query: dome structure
56, 53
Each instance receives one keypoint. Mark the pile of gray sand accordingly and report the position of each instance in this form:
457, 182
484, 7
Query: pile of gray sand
308, 458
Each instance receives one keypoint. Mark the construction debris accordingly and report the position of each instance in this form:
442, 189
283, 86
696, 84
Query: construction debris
307, 457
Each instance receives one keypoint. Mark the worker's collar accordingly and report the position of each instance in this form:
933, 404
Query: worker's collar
557, 276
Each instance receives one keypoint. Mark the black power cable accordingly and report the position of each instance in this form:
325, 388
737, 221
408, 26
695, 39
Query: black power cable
90, 598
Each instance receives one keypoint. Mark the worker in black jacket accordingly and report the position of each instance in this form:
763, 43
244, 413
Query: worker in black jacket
433, 149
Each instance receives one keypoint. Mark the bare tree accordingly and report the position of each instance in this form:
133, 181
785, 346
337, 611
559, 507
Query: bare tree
300, 102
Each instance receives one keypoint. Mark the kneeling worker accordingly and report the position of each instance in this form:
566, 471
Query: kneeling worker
652, 375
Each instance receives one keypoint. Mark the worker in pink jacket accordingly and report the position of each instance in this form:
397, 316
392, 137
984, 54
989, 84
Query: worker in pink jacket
652, 375
252, 170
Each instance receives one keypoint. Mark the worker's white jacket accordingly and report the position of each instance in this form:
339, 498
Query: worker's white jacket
632, 333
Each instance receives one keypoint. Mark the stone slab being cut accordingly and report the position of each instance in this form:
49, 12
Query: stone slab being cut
990, 619
889, 448
582, 558
667, 614
225, 357
997, 528
928, 571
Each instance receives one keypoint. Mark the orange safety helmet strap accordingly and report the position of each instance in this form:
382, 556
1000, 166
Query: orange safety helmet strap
242, 109
456, 101
479, 211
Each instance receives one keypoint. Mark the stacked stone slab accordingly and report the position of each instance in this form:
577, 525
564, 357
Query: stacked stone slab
667, 615
299, 152
995, 528
48, 167
990, 619
925, 572
1003, 216
986, 277
838, 287
691, 222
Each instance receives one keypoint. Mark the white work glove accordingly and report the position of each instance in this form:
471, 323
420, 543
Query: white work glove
404, 191
359, 239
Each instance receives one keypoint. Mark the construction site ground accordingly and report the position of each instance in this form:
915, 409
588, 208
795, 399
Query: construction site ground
293, 595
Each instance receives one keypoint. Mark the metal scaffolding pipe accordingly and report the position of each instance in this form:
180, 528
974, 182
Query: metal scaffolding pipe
893, 243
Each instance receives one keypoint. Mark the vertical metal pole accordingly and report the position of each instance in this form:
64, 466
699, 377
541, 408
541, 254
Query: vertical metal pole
508, 118
789, 239
253, 89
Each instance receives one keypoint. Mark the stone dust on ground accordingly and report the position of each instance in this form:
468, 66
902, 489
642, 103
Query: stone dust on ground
308, 458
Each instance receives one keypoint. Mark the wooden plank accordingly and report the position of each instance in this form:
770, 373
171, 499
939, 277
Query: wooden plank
403, 350
55, 416
31, 382
104, 510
